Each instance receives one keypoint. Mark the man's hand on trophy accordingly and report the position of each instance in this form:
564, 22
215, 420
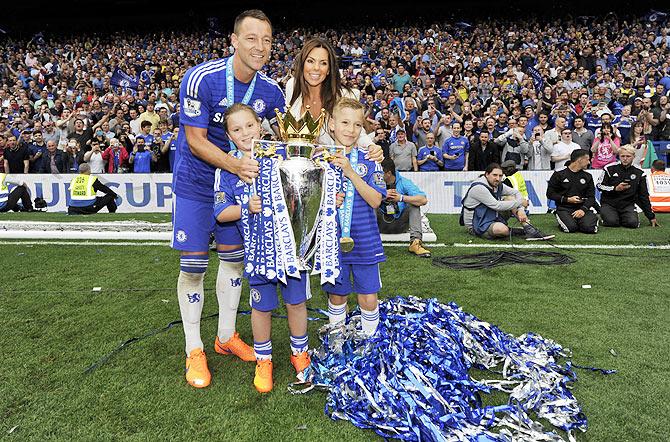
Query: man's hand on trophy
246, 169
343, 163
375, 153
255, 204
339, 199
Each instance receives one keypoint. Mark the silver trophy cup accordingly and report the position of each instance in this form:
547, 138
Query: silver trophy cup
302, 181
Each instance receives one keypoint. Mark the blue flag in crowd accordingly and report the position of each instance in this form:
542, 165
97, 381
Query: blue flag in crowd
399, 103
537, 77
656, 16
124, 80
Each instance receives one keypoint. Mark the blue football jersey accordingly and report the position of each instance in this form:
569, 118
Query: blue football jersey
429, 165
364, 230
455, 146
203, 102
229, 190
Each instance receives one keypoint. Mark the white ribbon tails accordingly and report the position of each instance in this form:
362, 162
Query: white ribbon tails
326, 258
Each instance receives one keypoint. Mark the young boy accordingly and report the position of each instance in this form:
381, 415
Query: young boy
243, 126
364, 189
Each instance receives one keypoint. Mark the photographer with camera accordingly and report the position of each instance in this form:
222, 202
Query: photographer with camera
116, 157
514, 145
94, 157
539, 151
573, 190
400, 211
142, 157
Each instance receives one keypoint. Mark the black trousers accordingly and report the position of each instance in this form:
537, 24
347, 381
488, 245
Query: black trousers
624, 217
586, 224
100, 202
18, 193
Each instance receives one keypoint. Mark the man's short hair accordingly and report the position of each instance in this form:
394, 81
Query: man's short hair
388, 165
84, 167
658, 165
251, 13
145, 123
577, 154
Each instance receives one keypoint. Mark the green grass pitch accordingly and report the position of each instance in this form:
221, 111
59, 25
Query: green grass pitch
53, 326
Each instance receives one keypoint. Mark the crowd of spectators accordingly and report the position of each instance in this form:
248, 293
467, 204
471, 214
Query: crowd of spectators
439, 97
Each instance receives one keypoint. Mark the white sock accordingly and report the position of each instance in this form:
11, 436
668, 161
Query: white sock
191, 299
228, 291
336, 313
370, 320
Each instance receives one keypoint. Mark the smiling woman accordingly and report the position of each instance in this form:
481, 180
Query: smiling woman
316, 83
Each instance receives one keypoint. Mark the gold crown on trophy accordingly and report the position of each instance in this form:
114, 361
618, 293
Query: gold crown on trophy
305, 129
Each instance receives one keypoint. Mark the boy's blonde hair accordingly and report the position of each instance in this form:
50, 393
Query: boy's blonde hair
238, 107
348, 103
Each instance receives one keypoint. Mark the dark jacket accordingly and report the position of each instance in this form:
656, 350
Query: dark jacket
480, 158
615, 174
566, 183
45, 166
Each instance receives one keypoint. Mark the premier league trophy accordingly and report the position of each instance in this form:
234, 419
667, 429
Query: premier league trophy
302, 179
298, 189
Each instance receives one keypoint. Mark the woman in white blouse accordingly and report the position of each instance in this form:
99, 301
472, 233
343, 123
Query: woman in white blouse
316, 83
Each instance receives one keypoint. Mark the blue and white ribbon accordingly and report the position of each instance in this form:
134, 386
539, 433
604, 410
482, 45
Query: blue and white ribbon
326, 258
414, 379
347, 209
287, 260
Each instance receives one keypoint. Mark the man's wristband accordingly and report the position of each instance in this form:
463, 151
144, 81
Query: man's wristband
402, 197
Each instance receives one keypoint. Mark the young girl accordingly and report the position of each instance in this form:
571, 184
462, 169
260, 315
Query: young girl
242, 126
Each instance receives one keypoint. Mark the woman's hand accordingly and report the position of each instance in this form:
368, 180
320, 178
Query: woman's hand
375, 153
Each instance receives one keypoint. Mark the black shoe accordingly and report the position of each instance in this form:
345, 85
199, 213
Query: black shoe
533, 234
518, 231
550, 210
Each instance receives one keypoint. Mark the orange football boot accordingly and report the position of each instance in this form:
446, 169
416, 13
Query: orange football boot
197, 373
263, 378
235, 346
300, 361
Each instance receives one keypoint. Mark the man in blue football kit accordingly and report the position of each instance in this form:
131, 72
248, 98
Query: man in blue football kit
206, 92
455, 150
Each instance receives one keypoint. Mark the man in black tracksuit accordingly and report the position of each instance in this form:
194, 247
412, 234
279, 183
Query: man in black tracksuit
573, 190
624, 185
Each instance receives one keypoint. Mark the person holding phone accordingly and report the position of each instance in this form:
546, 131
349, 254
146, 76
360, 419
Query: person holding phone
574, 192
623, 185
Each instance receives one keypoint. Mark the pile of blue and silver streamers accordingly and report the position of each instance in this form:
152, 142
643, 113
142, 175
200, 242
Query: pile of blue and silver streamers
412, 381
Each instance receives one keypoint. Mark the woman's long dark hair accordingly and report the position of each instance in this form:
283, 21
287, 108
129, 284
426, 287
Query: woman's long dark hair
331, 86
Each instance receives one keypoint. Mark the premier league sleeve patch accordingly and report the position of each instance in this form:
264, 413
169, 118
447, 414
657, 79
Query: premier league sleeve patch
378, 179
191, 107
219, 198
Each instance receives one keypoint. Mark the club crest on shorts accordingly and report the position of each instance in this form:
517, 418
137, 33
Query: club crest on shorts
259, 106
361, 169
181, 236
255, 295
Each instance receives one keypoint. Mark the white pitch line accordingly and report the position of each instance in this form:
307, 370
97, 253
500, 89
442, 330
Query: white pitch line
457, 245
535, 245
86, 243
